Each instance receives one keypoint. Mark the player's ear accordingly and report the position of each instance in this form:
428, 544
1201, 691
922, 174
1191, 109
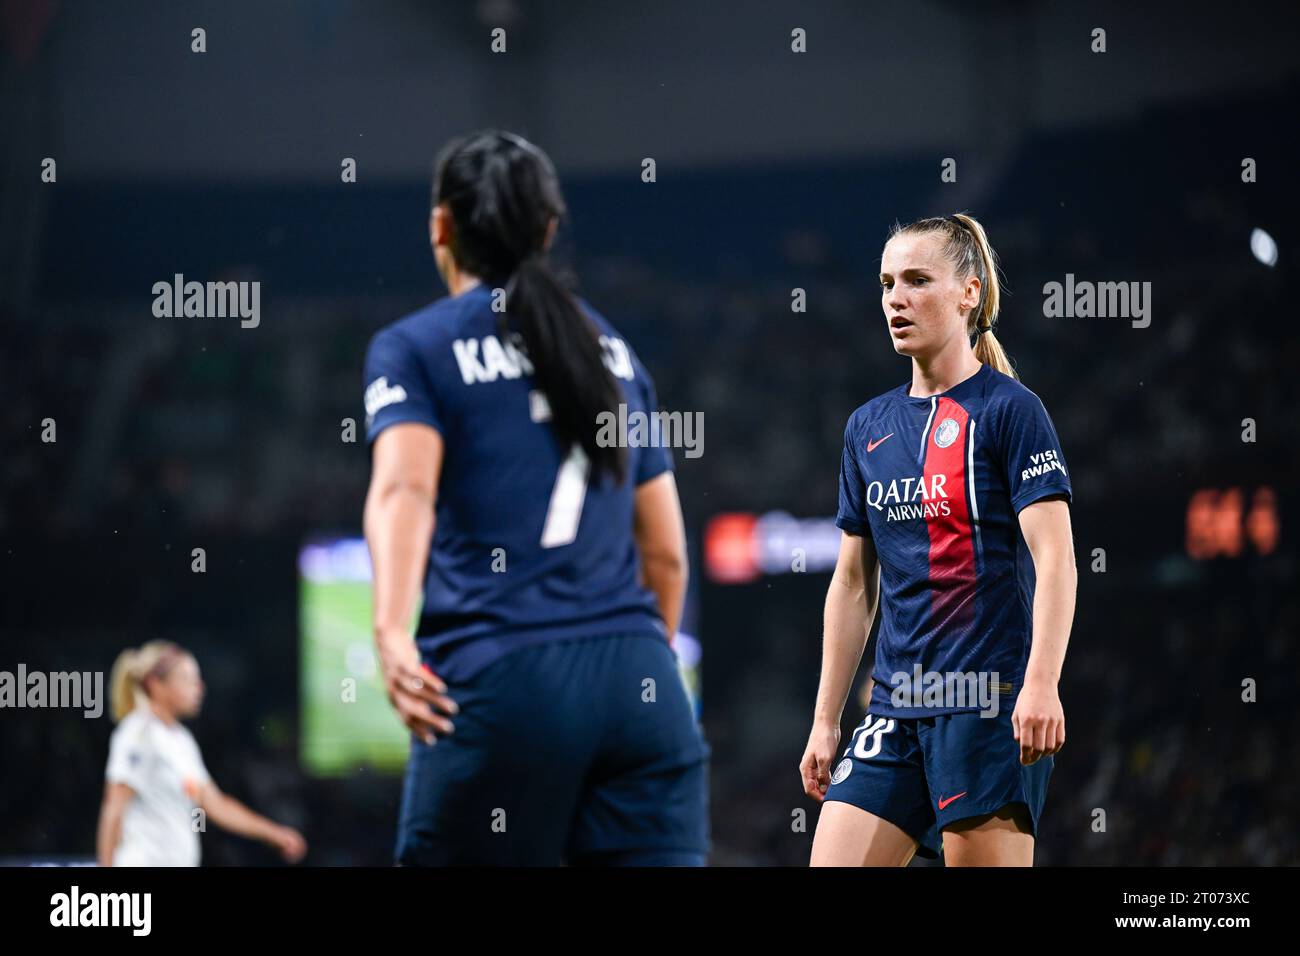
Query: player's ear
439, 226
970, 296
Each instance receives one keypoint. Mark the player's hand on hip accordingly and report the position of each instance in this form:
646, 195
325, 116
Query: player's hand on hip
815, 767
417, 694
1038, 722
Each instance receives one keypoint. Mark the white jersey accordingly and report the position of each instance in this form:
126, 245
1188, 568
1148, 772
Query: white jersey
162, 764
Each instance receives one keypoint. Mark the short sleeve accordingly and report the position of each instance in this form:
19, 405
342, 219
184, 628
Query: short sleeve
1031, 452
126, 757
654, 459
852, 515
397, 388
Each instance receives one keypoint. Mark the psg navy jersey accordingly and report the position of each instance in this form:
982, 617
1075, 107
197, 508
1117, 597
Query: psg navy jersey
938, 483
527, 546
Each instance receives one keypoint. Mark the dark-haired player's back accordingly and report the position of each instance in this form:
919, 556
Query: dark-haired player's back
526, 547
534, 617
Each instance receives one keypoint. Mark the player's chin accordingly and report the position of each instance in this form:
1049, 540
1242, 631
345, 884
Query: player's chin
906, 345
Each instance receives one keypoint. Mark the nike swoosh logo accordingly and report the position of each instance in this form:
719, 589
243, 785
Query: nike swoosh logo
943, 803
871, 445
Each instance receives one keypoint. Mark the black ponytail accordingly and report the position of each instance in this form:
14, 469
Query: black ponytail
503, 195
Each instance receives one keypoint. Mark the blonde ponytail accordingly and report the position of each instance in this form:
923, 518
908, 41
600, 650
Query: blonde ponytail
989, 351
971, 253
983, 317
133, 665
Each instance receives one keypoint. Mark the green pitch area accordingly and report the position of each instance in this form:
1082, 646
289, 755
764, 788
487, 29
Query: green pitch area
346, 720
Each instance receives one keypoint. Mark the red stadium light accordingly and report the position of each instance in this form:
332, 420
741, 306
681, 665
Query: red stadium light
1261, 522
1227, 523
730, 549
1200, 521
1216, 526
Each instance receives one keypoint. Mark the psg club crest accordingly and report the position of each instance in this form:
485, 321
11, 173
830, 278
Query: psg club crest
946, 433
842, 770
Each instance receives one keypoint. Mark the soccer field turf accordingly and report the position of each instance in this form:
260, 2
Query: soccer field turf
344, 725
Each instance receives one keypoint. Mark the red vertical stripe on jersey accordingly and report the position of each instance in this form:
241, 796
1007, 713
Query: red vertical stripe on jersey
952, 552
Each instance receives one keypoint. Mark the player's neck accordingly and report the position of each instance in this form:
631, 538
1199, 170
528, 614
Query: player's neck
458, 283
937, 375
163, 714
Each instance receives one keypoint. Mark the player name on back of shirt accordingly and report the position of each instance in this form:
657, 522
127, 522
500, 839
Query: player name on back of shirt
487, 359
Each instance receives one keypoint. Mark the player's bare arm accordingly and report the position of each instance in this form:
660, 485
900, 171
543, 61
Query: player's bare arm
661, 545
1039, 720
230, 814
109, 833
851, 603
399, 522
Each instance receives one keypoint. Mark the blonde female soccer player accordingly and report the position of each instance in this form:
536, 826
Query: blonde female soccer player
156, 778
954, 501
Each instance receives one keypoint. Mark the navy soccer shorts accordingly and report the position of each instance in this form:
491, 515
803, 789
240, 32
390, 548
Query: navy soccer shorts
924, 773
563, 752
